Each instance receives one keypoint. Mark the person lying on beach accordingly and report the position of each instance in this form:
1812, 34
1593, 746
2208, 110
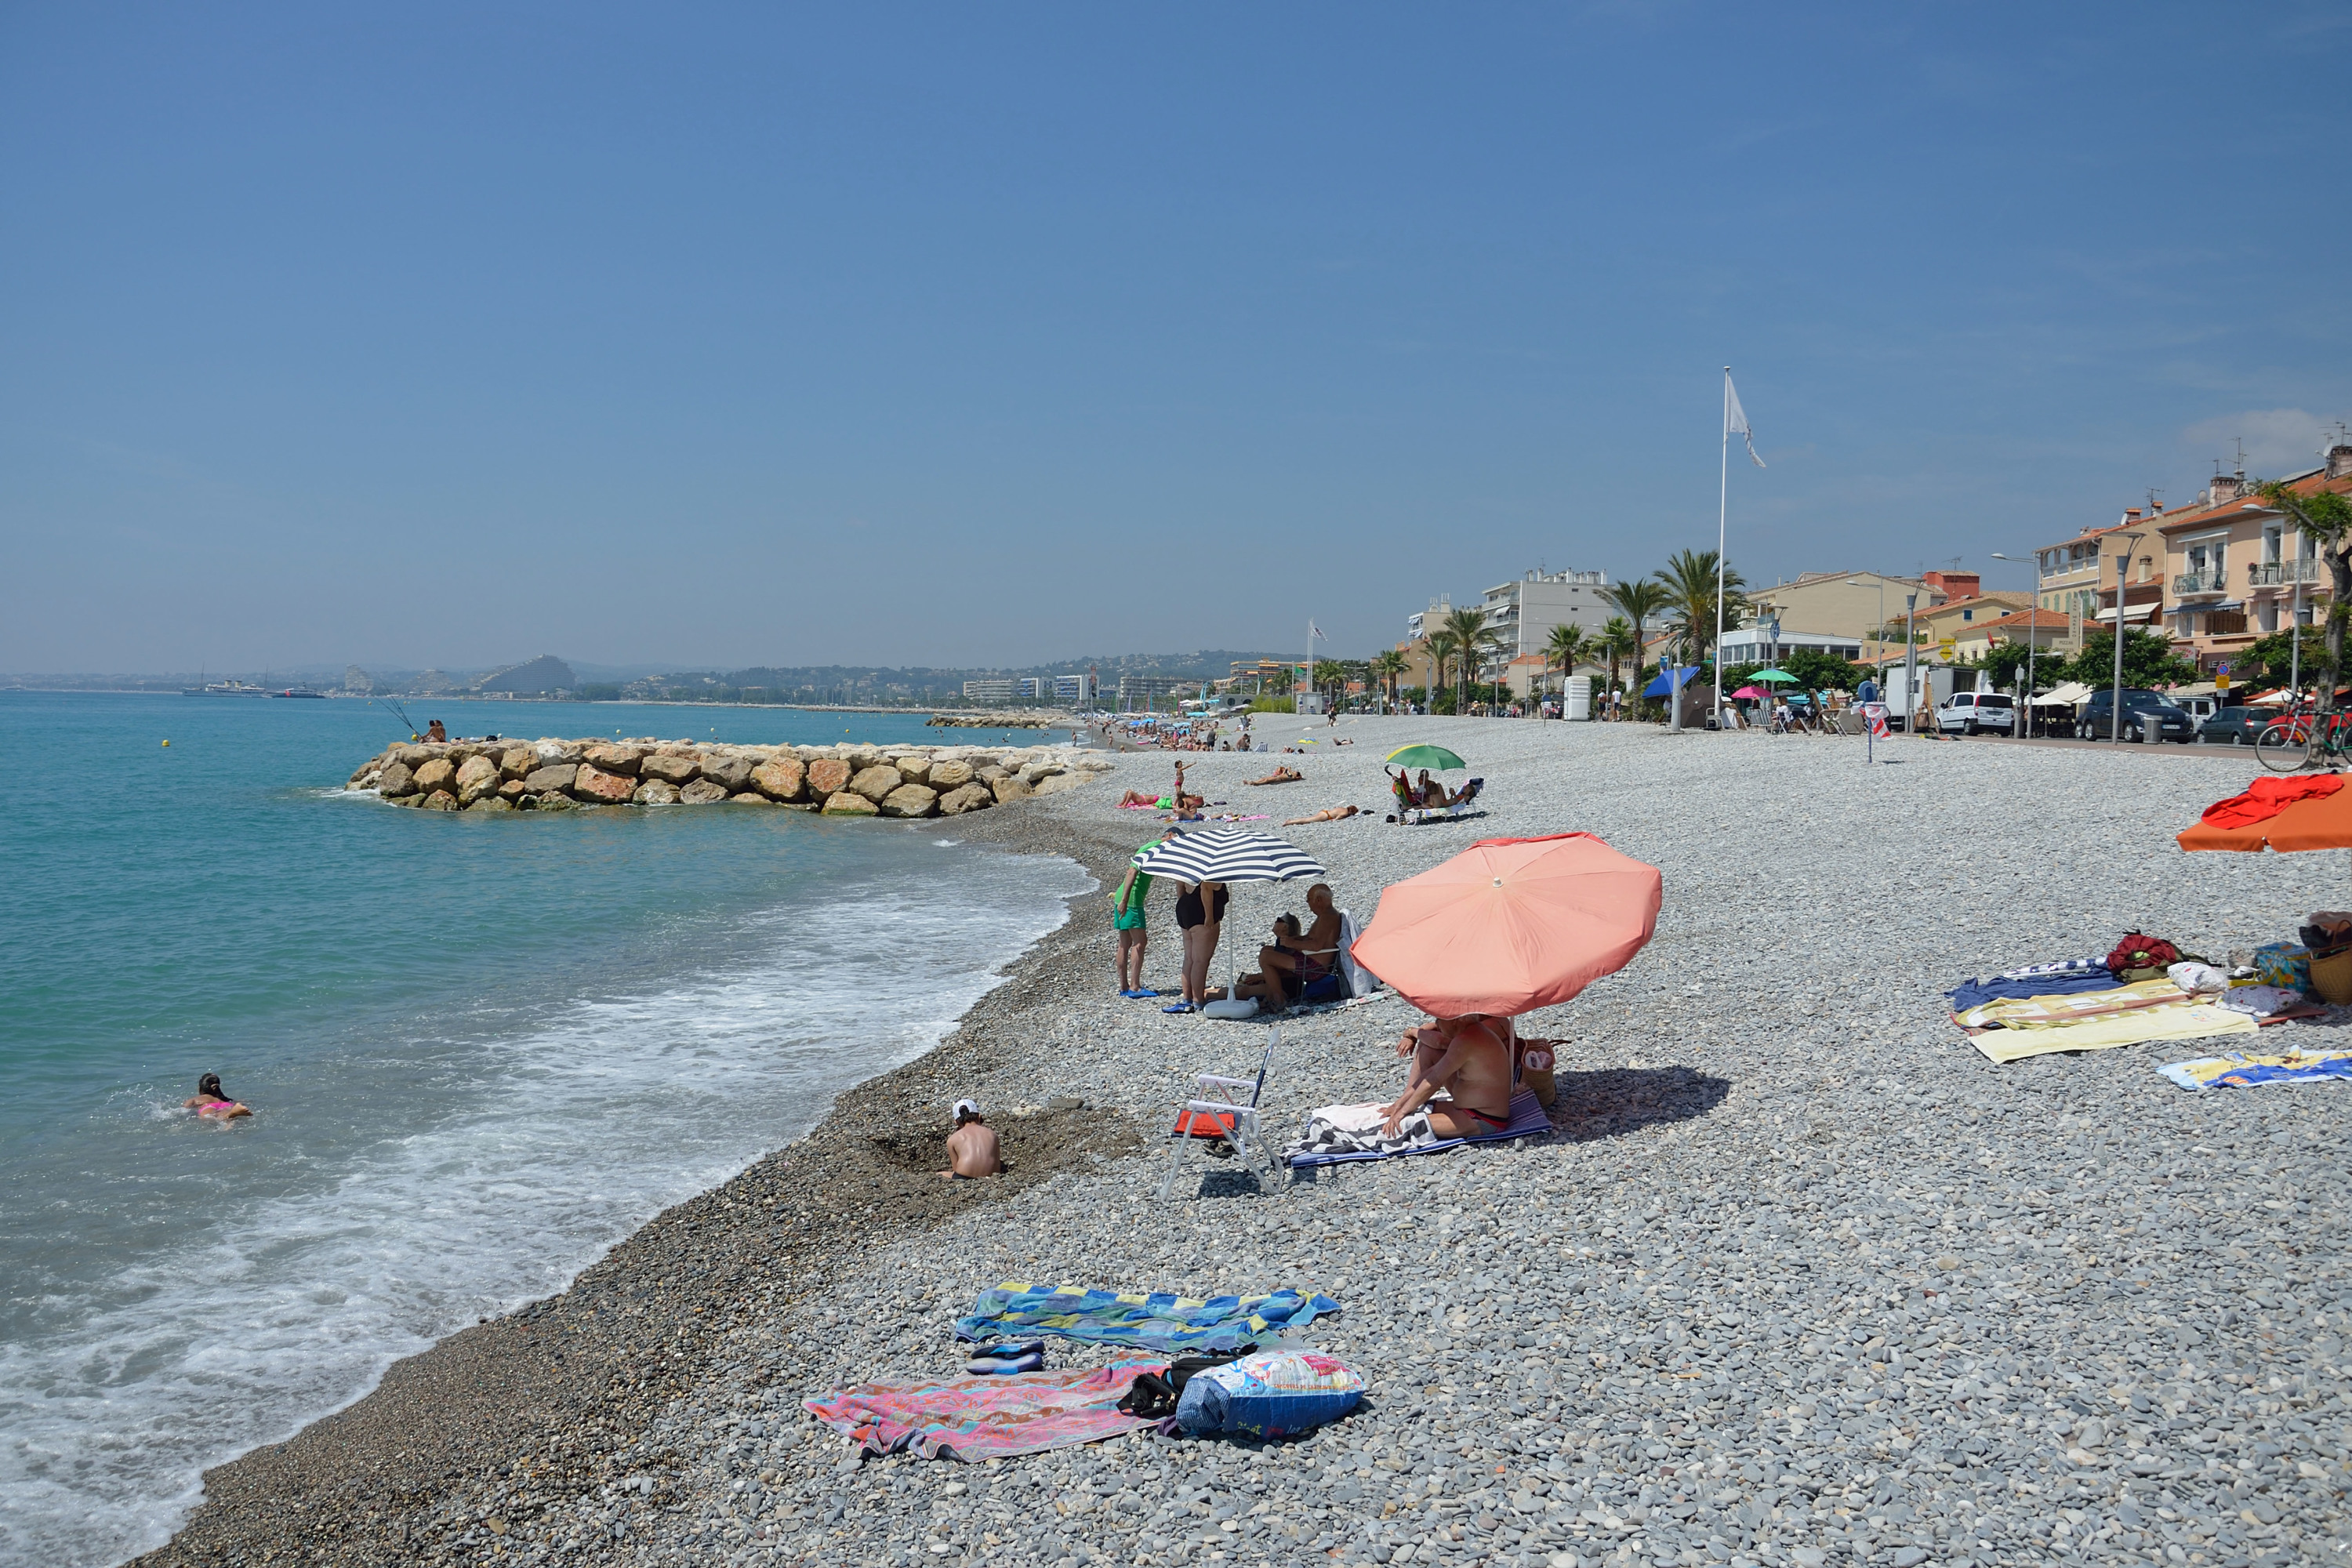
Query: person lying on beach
214, 1102
971, 1147
1282, 773
1329, 814
1466, 1058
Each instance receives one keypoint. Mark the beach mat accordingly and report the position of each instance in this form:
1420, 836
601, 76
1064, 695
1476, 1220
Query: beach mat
1157, 1321
2252, 1072
1528, 1119
978, 1418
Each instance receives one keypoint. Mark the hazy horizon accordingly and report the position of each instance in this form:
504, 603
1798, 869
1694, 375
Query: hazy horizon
960, 338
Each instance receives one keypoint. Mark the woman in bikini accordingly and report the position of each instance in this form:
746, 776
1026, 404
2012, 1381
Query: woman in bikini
1329, 814
214, 1102
1285, 774
1200, 913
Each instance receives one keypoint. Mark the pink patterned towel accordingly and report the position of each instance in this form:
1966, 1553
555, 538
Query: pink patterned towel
976, 1419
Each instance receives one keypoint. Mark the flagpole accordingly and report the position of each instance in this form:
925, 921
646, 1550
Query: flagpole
1722, 514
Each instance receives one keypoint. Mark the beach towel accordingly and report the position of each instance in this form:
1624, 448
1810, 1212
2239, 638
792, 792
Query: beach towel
1156, 1321
2251, 1072
1528, 1120
2265, 798
2182, 1020
990, 1417
2059, 966
1976, 993
2053, 1011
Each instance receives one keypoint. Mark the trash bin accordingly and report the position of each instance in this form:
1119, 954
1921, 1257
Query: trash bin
2151, 729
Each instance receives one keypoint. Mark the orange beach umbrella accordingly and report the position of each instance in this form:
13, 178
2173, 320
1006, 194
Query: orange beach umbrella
2312, 812
1511, 924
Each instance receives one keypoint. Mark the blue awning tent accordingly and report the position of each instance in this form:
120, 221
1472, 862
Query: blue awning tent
1662, 687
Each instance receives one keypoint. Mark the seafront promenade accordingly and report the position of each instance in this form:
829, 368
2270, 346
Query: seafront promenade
1797, 1279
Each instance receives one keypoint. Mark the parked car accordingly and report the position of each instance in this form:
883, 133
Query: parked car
1971, 712
2096, 720
2236, 725
2200, 709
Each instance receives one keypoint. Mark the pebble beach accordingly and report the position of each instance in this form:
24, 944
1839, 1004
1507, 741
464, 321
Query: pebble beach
1798, 1277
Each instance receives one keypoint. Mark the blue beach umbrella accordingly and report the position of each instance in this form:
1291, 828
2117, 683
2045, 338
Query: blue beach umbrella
1662, 686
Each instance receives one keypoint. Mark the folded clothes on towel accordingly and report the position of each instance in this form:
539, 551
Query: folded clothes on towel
1970, 994
2045, 1012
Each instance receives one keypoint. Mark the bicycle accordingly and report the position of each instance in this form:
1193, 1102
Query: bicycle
2299, 741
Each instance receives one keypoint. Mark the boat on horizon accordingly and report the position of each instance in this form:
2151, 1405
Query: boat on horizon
227, 688
299, 691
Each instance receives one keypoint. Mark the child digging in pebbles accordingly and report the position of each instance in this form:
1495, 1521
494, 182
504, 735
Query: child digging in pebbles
971, 1147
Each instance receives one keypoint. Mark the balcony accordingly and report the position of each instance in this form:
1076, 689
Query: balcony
2189, 585
2278, 574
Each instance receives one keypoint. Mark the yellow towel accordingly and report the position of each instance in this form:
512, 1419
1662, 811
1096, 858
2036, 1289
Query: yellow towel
2169, 1021
2045, 1012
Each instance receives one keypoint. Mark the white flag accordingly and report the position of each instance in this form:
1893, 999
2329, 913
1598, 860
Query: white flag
1735, 419
1315, 633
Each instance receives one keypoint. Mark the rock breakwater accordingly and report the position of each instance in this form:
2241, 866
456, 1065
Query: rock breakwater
839, 781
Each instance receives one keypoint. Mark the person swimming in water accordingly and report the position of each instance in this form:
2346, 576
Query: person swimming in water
214, 1102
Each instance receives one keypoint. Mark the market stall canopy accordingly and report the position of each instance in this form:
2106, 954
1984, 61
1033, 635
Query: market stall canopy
1511, 924
1436, 757
1660, 687
2073, 691
2312, 812
1226, 855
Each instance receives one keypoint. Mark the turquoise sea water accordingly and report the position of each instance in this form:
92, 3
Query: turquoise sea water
481, 1050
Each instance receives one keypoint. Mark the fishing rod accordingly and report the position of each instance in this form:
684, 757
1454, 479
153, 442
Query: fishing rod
394, 706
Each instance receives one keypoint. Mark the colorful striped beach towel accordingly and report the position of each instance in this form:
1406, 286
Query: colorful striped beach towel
978, 1418
2251, 1072
1156, 1321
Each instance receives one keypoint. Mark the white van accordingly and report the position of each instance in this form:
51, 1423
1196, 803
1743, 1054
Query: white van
1971, 712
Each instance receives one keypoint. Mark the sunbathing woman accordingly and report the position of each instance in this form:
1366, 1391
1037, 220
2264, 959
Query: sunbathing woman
1329, 814
214, 1102
1432, 794
1282, 773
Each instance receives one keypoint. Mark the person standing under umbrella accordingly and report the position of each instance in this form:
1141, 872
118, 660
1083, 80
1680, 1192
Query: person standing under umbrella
1200, 914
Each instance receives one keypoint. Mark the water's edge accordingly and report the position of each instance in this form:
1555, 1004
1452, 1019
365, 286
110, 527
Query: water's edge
397, 1432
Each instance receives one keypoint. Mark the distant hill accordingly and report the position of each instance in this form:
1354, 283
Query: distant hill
544, 674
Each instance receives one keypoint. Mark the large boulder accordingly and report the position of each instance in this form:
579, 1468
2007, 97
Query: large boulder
910, 800
875, 782
828, 776
861, 756
848, 803
947, 775
397, 781
552, 779
553, 752
439, 800
669, 768
915, 769
476, 777
655, 791
1056, 784
549, 803
732, 774
1031, 772
966, 797
511, 790
701, 792
517, 761
988, 772
749, 797
779, 778
1010, 787
414, 755
622, 760
438, 774
489, 803
594, 786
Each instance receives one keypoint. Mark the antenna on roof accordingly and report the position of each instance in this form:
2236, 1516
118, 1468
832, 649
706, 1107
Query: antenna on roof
2153, 505
2241, 457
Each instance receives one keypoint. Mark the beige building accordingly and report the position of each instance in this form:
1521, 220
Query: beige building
1852, 605
2237, 569
2078, 577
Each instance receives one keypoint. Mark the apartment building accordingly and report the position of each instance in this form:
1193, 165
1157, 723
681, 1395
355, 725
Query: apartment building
2080, 576
2237, 569
1846, 607
988, 690
1522, 613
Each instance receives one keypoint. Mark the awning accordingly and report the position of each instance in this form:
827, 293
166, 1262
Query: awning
2150, 611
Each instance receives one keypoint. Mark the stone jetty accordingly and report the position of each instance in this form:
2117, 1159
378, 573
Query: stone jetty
839, 781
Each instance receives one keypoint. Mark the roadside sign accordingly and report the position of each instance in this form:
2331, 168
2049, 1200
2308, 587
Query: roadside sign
1947, 646
2221, 681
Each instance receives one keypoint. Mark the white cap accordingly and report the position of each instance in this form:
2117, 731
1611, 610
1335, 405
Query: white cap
964, 1105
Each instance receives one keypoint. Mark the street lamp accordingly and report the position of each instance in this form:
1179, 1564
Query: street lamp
2123, 570
2032, 635
1910, 660
1881, 638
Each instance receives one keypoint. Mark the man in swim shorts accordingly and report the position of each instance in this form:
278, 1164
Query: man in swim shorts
971, 1147
1465, 1057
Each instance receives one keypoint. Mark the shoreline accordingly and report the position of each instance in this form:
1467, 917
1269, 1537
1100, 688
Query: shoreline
577, 1381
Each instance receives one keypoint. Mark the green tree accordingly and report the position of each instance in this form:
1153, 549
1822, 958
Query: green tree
1689, 582
1619, 641
2323, 517
2149, 661
1818, 672
1639, 602
1473, 638
1331, 676
1444, 646
1387, 665
2272, 660
1565, 646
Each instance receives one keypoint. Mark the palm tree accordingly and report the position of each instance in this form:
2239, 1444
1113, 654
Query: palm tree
1566, 647
1475, 638
1689, 580
1387, 667
1442, 646
1617, 638
1638, 602
1330, 672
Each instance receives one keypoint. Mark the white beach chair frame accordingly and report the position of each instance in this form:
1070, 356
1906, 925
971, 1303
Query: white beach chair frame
1244, 1136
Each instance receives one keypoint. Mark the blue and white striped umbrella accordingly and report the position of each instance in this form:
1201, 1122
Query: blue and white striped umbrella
1226, 855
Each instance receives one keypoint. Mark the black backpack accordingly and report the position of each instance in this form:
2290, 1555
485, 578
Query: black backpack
1154, 1397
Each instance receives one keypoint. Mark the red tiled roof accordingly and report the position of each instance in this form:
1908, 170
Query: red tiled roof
2304, 484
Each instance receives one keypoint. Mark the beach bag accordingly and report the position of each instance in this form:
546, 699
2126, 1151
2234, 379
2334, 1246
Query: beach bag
2283, 964
2141, 957
1270, 1394
1535, 1070
1154, 1396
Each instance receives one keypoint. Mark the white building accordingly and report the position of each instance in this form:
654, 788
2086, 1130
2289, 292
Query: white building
1757, 644
988, 690
1522, 613
1074, 688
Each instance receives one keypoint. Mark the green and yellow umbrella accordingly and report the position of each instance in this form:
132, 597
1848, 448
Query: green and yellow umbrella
1436, 757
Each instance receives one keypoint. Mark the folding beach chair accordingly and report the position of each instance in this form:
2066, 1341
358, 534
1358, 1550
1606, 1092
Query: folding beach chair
1207, 1119
1470, 793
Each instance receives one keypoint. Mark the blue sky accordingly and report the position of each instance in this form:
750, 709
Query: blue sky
731, 335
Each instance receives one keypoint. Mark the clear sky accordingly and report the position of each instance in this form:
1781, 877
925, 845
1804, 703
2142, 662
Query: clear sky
439, 334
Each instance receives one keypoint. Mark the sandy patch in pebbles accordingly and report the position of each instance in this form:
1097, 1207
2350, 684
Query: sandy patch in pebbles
1800, 1279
